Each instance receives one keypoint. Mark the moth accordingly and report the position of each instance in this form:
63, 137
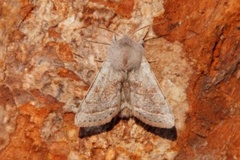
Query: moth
125, 86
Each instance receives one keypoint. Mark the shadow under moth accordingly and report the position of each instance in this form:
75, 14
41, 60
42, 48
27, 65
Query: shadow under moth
125, 86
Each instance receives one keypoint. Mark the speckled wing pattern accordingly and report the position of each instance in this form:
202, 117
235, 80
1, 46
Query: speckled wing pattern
147, 100
103, 99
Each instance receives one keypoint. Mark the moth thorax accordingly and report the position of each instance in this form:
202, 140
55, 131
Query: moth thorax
125, 54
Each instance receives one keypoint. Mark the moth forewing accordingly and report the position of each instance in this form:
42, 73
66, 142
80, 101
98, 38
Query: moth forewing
147, 99
103, 99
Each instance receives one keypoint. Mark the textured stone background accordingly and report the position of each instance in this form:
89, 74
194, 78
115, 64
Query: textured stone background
47, 63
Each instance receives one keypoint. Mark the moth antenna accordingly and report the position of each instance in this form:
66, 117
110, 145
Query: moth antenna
140, 29
109, 30
143, 28
145, 35
145, 40
104, 43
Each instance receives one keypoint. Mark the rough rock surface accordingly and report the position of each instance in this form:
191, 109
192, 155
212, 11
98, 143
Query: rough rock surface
47, 64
